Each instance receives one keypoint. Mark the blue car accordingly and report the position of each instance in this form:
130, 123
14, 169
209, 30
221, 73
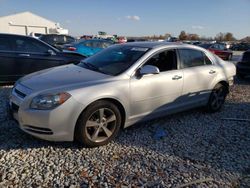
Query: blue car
88, 47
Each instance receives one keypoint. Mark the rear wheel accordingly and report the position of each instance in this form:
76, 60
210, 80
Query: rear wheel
98, 124
217, 98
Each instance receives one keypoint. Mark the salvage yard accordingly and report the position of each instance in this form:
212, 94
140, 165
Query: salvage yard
197, 149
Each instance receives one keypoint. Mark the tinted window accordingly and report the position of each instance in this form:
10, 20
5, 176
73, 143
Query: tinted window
5, 44
207, 60
114, 60
192, 58
69, 39
165, 60
88, 43
30, 45
215, 46
103, 44
221, 46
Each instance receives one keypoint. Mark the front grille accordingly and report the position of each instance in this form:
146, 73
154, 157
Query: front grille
19, 93
14, 107
38, 130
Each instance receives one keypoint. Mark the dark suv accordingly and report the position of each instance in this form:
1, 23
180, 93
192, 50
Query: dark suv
21, 55
243, 67
56, 40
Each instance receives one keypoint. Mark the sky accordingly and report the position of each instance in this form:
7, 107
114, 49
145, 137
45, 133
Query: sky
140, 17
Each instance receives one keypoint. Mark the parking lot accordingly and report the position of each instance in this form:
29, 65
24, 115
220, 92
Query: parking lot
196, 150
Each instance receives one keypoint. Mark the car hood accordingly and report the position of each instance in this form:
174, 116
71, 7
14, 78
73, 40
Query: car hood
57, 77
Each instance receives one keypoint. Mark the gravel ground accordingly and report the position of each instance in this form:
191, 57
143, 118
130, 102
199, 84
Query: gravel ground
198, 150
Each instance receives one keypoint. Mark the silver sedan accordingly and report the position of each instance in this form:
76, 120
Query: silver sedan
121, 85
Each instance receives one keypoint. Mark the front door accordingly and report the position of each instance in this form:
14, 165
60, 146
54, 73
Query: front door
158, 92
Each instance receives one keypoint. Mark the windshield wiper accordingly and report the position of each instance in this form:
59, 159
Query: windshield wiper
93, 67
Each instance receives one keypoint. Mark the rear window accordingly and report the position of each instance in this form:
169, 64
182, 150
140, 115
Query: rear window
246, 57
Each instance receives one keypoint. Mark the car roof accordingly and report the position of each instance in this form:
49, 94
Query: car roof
155, 44
95, 40
12, 35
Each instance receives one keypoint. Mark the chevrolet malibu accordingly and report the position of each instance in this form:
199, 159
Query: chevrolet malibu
121, 85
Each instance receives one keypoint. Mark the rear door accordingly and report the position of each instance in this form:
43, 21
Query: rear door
199, 74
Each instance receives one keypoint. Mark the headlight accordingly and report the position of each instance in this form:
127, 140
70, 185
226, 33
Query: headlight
49, 101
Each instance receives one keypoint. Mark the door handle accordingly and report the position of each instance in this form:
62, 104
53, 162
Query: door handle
176, 77
212, 71
24, 55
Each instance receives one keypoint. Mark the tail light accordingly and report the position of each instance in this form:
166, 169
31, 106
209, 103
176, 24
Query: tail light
71, 48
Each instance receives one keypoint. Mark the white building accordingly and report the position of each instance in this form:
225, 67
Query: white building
26, 23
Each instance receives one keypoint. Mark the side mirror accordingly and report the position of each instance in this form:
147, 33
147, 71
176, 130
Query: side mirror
149, 69
51, 52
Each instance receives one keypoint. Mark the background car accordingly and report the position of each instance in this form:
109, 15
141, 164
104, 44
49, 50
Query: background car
21, 55
56, 40
243, 67
218, 49
240, 47
88, 47
118, 87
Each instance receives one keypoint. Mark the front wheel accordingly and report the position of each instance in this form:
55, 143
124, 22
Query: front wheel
98, 124
217, 98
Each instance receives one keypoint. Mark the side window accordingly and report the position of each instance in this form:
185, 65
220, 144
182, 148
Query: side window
69, 39
5, 44
193, 58
87, 43
221, 46
207, 60
106, 44
30, 46
103, 44
97, 44
165, 60
215, 46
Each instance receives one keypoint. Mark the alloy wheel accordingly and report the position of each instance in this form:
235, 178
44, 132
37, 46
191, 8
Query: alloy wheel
218, 98
101, 125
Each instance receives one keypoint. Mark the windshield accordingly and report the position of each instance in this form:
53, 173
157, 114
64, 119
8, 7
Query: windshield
114, 60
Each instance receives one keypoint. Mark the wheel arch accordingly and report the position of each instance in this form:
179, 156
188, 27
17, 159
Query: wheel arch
112, 100
224, 83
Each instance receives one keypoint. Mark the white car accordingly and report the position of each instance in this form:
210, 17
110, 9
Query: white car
117, 87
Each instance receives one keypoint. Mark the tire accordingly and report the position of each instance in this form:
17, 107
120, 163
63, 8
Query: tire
98, 124
217, 98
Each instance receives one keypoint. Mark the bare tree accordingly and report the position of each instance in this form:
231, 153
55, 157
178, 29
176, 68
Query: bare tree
229, 37
183, 35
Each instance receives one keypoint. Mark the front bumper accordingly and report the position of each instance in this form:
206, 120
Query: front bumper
57, 124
